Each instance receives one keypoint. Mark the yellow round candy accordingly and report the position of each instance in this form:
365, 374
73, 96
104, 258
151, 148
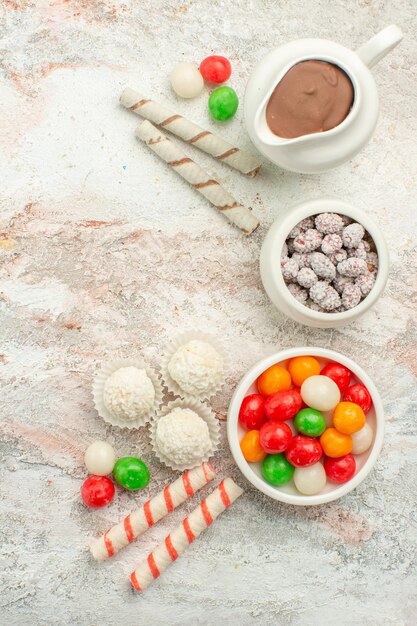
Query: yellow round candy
335, 444
251, 448
348, 418
275, 378
302, 367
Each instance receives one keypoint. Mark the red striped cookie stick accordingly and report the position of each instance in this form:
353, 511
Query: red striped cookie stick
184, 534
202, 182
151, 512
191, 133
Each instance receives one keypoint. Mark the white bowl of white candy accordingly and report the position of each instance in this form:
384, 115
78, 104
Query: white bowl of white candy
325, 263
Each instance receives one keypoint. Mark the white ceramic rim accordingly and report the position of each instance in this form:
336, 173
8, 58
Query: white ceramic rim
232, 424
329, 58
331, 205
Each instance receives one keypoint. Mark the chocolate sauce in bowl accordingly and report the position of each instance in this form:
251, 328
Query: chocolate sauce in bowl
312, 97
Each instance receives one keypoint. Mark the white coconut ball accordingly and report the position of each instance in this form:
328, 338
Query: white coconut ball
129, 393
183, 437
196, 367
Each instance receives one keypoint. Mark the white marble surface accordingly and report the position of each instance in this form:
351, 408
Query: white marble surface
105, 253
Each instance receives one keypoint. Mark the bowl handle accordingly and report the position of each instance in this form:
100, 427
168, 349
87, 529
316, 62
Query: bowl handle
378, 46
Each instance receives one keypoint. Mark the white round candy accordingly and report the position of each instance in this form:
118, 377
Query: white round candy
186, 80
100, 458
320, 393
310, 480
362, 439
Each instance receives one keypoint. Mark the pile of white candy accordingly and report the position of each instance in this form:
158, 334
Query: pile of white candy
328, 263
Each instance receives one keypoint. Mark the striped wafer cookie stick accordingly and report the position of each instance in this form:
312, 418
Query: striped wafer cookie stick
190, 132
151, 512
181, 537
197, 177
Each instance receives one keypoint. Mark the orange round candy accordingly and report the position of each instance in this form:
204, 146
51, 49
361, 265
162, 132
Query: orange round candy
275, 378
251, 448
348, 417
335, 444
302, 367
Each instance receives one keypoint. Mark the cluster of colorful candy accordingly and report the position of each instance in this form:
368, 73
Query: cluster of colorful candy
188, 81
302, 393
329, 263
100, 459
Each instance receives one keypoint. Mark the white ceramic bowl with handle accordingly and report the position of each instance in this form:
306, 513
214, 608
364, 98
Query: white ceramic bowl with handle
273, 281
288, 493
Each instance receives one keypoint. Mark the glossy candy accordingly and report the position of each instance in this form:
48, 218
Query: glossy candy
131, 473
339, 373
97, 491
340, 470
223, 103
362, 439
216, 69
252, 413
283, 405
359, 395
348, 418
320, 393
310, 422
303, 404
100, 458
302, 367
251, 447
275, 378
335, 444
303, 451
275, 437
277, 470
186, 80
310, 480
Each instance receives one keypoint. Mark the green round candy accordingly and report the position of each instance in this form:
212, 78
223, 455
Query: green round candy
223, 103
131, 473
310, 422
277, 470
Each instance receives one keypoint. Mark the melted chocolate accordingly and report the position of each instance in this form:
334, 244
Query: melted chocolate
312, 97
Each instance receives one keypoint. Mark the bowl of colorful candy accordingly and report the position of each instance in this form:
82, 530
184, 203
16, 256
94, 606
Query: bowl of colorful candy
306, 425
325, 263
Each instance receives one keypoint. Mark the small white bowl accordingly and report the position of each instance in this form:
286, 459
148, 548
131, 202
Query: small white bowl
271, 274
288, 493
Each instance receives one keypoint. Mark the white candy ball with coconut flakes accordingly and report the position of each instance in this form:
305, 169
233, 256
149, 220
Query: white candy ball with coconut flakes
129, 393
183, 437
196, 367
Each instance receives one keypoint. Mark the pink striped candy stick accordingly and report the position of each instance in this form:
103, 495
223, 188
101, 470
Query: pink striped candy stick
184, 534
151, 512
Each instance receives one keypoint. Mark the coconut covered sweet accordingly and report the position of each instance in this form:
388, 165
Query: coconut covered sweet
129, 393
183, 437
196, 367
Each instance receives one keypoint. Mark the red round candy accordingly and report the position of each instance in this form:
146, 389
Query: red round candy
97, 491
216, 69
252, 413
340, 470
275, 437
359, 395
283, 405
303, 451
304, 405
338, 373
